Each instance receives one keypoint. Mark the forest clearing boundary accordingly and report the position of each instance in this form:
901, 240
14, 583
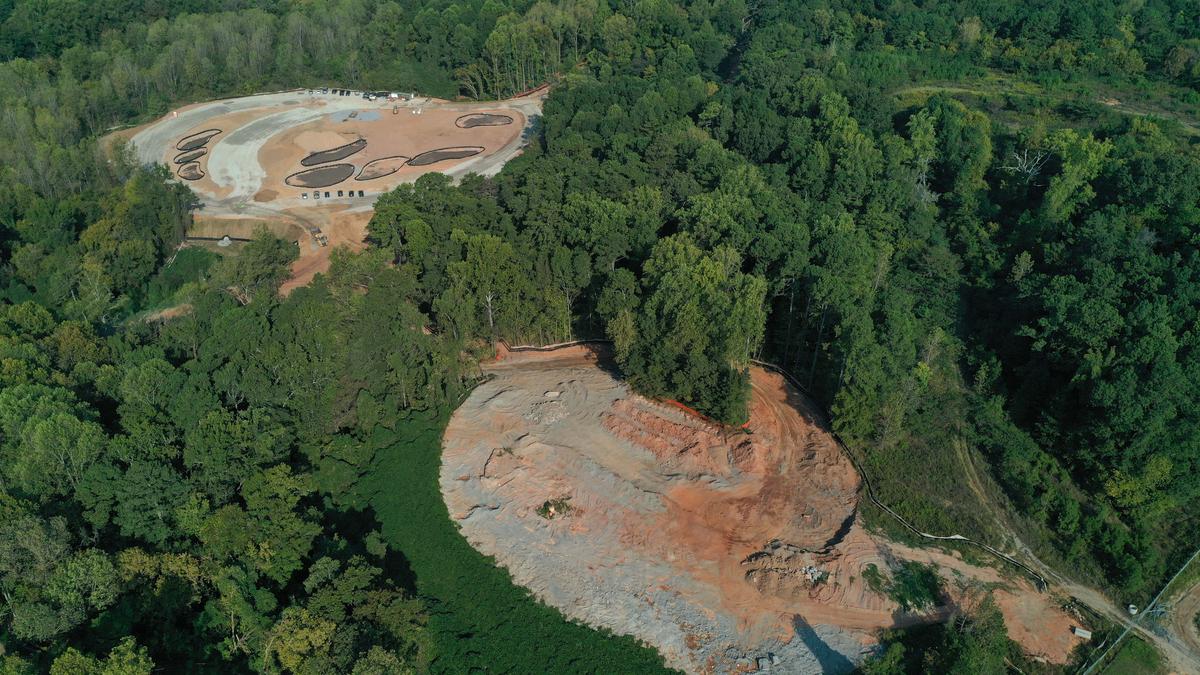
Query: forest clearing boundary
1038, 579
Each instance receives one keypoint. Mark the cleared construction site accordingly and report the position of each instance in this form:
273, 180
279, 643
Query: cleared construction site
728, 550
310, 164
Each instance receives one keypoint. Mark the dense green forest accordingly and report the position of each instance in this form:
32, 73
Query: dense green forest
1001, 277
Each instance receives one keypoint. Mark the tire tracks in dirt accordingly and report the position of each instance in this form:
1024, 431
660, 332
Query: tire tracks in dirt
1183, 617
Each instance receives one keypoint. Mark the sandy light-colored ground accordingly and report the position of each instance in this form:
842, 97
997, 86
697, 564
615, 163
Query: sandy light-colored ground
264, 137
1183, 616
387, 135
726, 550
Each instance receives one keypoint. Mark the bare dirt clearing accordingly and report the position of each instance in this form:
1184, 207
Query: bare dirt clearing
252, 145
725, 550
1185, 610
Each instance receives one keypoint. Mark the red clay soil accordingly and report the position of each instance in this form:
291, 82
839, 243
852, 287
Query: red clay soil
746, 518
1046, 634
346, 228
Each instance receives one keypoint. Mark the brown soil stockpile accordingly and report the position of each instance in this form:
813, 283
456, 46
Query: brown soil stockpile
384, 166
1043, 631
334, 154
725, 549
321, 177
443, 154
482, 120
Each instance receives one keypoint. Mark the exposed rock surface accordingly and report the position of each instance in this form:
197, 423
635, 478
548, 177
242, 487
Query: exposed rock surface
728, 551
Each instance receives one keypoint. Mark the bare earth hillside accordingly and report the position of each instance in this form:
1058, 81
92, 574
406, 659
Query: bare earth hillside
726, 550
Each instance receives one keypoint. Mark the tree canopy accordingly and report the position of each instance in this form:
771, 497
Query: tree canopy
969, 229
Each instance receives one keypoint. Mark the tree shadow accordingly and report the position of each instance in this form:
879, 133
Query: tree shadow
830, 660
354, 527
605, 359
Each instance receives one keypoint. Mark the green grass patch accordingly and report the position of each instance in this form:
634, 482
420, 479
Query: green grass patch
916, 586
1187, 578
552, 508
913, 586
1136, 658
480, 621
875, 579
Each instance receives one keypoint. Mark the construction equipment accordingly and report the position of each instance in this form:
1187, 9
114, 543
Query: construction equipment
318, 235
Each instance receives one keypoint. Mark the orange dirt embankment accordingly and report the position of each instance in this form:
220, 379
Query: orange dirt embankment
719, 547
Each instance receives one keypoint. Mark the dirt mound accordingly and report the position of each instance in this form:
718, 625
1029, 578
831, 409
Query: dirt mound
784, 570
190, 171
185, 157
1044, 630
196, 140
694, 450
482, 120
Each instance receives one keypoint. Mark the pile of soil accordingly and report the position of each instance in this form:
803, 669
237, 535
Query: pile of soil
334, 154
443, 154
320, 177
190, 171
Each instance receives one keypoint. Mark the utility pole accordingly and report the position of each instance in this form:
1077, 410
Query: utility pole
1133, 624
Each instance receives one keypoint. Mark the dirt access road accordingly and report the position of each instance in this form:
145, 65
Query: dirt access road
1179, 644
1002, 86
727, 551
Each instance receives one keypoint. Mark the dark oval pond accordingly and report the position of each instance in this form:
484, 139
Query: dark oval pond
443, 154
334, 154
322, 176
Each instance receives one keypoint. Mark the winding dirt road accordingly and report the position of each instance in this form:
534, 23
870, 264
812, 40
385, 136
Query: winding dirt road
1181, 645
1178, 641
